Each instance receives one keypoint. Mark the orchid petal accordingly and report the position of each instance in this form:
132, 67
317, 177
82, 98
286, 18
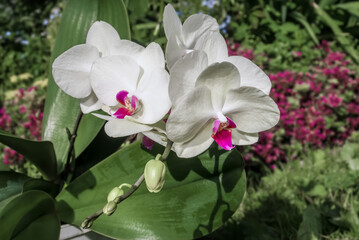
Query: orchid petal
251, 74
184, 74
171, 22
219, 78
214, 45
71, 70
152, 57
197, 145
190, 114
126, 48
195, 26
104, 117
90, 103
153, 93
102, 35
242, 138
123, 127
174, 51
224, 139
113, 74
251, 109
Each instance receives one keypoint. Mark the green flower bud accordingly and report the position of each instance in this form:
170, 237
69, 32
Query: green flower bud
87, 223
116, 192
155, 172
109, 208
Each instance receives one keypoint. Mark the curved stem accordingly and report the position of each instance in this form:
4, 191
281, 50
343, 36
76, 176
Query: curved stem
88, 221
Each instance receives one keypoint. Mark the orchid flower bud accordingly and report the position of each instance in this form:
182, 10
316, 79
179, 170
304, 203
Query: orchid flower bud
109, 208
116, 192
87, 223
155, 172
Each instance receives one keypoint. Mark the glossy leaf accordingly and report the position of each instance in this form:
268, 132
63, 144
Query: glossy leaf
351, 7
24, 212
40, 153
12, 183
198, 196
61, 110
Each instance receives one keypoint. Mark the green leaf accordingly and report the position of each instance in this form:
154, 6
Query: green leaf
12, 183
351, 7
310, 228
25, 212
302, 20
340, 36
40, 153
199, 195
61, 110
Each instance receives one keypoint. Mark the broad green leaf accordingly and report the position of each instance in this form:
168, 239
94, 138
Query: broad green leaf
12, 183
23, 211
198, 196
311, 227
88, 121
61, 110
46, 227
340, 36
40, 153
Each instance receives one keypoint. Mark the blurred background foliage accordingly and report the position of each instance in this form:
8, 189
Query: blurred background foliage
302, 175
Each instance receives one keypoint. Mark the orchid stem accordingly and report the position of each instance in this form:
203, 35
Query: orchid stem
88, 221
69, 166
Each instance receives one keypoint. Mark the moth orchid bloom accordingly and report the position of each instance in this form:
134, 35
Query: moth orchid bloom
182, 39
133, 89
219, 109
71, 70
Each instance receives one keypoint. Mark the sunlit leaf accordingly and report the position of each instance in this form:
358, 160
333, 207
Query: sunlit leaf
198, 196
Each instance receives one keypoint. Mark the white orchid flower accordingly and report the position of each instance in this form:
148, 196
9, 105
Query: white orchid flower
71, 70
218, 108
133, 88
183, 39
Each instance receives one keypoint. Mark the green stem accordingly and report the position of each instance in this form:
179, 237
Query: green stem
89, 220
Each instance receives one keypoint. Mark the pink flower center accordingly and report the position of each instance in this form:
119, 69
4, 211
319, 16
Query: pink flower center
127, 104
222, 133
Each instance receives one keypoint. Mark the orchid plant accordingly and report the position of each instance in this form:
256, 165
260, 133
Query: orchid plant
195, 100
212, 97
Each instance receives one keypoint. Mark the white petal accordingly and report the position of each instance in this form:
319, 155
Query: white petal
190, 114
242, 138
102, 35
197, 145
185, 73
113, 74
152, 57
219, 78
195, 26
71, 70
171, 22
251, 110
123, 127
104, 117
90, 103
156, 136
174, 51
214, 45
251, 74
153, 93
126, 48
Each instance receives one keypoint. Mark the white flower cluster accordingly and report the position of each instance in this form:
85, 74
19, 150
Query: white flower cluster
209, 96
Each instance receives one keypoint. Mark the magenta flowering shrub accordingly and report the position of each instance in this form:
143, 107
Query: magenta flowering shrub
21, 115
319, 108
